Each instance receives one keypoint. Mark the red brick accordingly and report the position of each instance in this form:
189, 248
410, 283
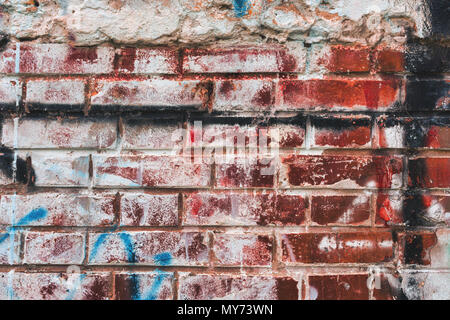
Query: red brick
247, 95
242, 249
340, 210
8, 58
429, 172
151, 133
61, 286
150, 171
251, 209
53, 248
217, 286
141, 286
356, 247
147, 60
183, 248
340, 58
63, 59
242, 172
66, 169
58, 209
336, 95
156, 93
51, 93
244, 60
37, 133
342, 171
338, 287
341, 131
389, 60
138, 209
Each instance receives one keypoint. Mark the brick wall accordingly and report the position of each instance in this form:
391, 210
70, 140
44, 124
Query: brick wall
168, 168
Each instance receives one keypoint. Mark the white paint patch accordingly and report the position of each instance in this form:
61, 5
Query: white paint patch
355, 9
359, 244
328, 244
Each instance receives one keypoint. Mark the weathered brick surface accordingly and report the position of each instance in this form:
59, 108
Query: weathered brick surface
43, 94
57, 286
246, 95
150, 248
158, 93
224, 150
242, 249
245, 60
147, 60
342, 171
242, 172
150, 171
41, 133
341, 210
341, 131
232, 208
10, 93
335, 95
144, 286
56, 209
64, 59
151, 133
204, 287
53, 248
357, 247
338, 287
139, 209
61, 169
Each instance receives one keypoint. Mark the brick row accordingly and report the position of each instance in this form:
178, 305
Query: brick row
64, 59
223, 134
230, 208
79, 169
251, 95
198, 286
223, 248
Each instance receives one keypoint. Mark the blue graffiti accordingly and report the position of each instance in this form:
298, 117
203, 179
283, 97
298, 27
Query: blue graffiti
160, 259
33, 215
241, 7
124, 237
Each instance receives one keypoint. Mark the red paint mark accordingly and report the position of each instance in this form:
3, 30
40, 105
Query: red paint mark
385, 210
344, 138
61, 137
263, 97
432, 139
427, 200
286, 62
225, 89
196, 205
62, 245
78, 55
126, 59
